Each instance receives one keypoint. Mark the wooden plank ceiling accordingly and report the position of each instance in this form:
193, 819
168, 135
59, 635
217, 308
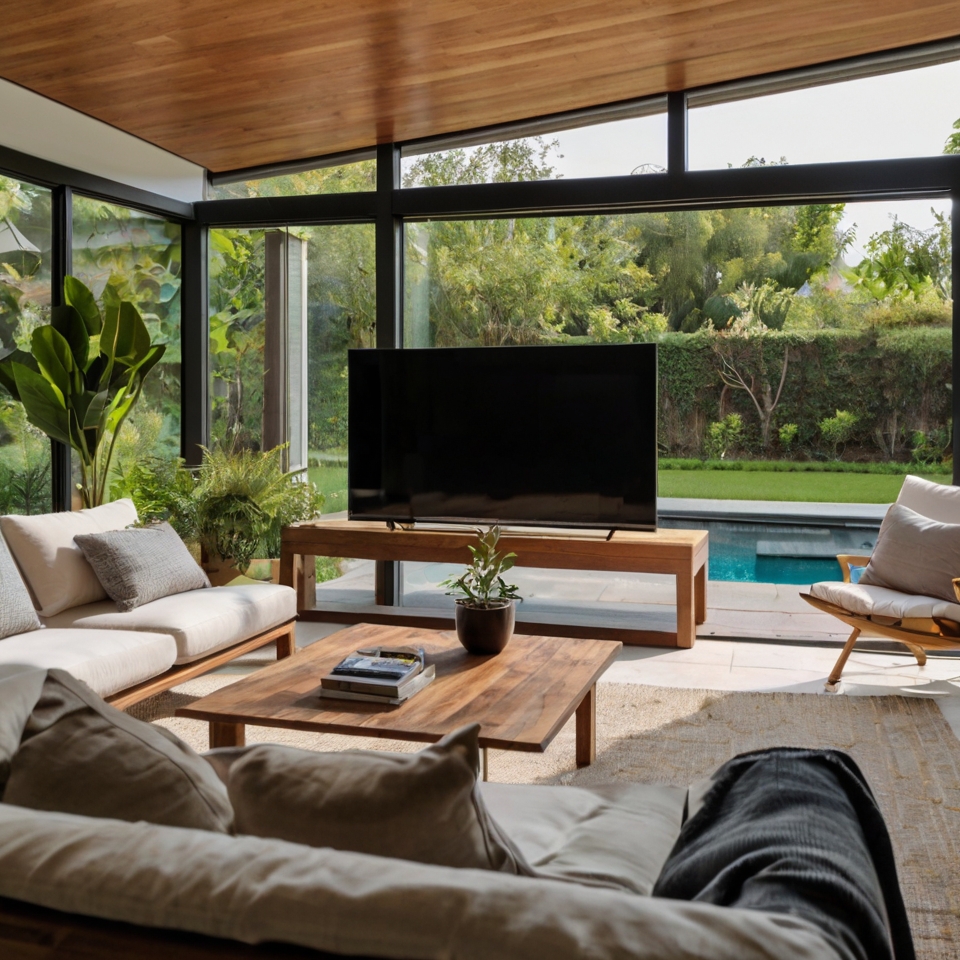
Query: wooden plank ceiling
237, 83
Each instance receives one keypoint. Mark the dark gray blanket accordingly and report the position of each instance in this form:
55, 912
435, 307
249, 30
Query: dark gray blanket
798, 832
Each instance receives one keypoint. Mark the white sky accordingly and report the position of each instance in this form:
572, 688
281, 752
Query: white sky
906, 114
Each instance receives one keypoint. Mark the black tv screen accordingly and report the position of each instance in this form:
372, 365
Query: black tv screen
546, 436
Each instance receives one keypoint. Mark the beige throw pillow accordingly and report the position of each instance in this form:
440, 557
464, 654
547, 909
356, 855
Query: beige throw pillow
53, 567
915, 555
17, 614
142, 564
80, 755
421, 806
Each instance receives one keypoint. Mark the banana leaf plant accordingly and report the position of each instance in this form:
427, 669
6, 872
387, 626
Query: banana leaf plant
82, 376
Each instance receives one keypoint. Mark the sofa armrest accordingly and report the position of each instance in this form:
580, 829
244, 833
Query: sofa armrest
848, 560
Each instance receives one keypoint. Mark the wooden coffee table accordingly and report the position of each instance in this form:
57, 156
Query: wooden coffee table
521, 697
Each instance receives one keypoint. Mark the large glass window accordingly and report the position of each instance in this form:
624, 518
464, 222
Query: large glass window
24, 304
138, 256
815, 337
909, 113
344, 178
618, 147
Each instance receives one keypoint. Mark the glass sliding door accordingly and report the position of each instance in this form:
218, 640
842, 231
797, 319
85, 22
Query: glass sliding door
25, 242
286, 305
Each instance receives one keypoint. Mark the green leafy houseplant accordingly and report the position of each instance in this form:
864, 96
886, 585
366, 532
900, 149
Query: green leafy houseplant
485, 605
482, 584
82, 376
234, 507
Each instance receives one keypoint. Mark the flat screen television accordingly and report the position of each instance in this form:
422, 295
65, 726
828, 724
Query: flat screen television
560, 435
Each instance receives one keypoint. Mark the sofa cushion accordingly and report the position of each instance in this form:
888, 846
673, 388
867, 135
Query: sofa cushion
142, 564
106, 660
423, 806
53, 566
20, 689
938, 501
915, 555
618, 835
269, 891
200, 621
871, 601
17, 613
80, 755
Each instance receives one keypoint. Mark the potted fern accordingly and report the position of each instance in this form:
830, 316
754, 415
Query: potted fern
486, 608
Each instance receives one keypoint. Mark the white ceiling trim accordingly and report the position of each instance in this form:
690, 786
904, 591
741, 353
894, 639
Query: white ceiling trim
43, 128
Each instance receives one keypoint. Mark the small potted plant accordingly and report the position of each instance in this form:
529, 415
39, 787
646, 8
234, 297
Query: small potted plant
486, 607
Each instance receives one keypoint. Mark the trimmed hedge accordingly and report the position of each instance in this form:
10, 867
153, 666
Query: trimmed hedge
895, 381
805, 466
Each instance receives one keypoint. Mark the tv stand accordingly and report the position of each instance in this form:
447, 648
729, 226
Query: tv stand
681, 553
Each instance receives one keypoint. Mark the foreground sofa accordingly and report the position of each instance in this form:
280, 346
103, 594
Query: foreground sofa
584, 861
126, 657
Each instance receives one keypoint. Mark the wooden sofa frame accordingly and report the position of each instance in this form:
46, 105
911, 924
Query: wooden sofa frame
28, 932
917, 634
286, 647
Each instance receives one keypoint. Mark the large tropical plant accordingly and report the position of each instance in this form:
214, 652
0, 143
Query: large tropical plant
82, 376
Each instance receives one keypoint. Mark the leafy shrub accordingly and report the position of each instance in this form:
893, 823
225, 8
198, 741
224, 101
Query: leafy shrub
837, 430
788, 435
723, 435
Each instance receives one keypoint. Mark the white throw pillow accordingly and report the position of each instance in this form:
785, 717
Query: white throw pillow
53, 566
938, 501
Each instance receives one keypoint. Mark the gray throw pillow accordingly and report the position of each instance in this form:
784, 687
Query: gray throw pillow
422, 806
17, 613
79, 755
141, 564
915, 555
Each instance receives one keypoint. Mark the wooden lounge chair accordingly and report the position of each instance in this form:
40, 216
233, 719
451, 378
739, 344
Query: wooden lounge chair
919, 622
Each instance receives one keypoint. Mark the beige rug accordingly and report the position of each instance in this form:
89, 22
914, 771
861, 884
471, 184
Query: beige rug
657, 734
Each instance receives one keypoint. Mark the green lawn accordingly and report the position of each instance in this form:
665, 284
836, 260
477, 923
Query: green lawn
760, 485
331, 481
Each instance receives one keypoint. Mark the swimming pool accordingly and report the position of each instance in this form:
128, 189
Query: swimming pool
777, 552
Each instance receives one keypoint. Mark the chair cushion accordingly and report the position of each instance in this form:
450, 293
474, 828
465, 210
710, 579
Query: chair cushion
106, 660
424, 807
53, 566
17, 613
915, 554
142, 564
938, 501
200, 621
80, 755
618, 835
872, 601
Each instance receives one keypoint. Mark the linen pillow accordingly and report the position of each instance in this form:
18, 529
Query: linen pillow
143, 564
17, 614
421, 806
53, 566
79, 755
915, 555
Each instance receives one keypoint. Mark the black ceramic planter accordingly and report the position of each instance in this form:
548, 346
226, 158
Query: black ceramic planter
485, 630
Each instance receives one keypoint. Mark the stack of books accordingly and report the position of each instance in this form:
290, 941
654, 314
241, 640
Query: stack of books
378, 676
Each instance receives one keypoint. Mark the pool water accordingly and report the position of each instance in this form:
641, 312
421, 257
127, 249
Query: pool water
777, 552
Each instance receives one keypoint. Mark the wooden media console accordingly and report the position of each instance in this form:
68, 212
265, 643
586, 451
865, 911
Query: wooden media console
680, 553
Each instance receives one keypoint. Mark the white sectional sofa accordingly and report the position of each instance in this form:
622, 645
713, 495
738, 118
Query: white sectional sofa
126, 657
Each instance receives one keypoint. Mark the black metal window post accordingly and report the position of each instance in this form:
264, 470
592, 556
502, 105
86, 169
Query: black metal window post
194, 344
955, 278
389, 263
677, 134
61, 264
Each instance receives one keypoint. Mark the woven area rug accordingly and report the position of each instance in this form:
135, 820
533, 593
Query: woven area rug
656, 734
